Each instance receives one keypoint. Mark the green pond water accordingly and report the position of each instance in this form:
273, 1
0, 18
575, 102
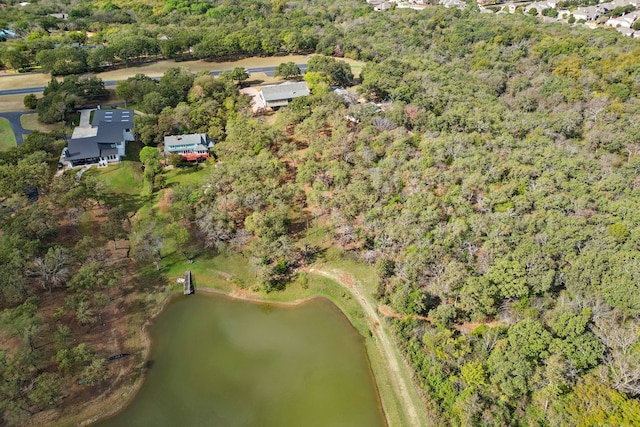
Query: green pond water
216, 361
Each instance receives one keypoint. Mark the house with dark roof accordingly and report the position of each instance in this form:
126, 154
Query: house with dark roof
103, 142
280, 95
193, 147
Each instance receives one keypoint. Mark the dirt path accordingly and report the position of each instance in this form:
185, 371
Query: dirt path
400, 385
466, 327
388, 312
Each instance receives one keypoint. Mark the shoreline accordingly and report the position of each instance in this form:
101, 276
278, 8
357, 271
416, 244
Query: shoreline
135, 387
250, 297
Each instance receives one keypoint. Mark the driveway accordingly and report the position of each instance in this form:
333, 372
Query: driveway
14, 119
85, 116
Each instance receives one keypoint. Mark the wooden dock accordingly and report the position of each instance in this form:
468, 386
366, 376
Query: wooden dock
188, 284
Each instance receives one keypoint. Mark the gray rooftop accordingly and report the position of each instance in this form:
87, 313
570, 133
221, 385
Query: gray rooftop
107, 149
284, 91
192, 139
115, 116
109, 133
82, 148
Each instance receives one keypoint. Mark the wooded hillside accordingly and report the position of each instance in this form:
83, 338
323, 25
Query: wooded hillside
493, 182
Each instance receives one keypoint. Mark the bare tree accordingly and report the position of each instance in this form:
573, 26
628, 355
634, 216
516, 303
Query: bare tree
52, 270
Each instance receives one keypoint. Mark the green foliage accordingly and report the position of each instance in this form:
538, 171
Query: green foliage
385, 268
238, 75
530, 339
47, 391
150, 157
73, 360
175, 85
509, 278
318, 82
593, 403
339, 72
500, 178
287, 70
443, 315
30, 101
60, 98
63, 61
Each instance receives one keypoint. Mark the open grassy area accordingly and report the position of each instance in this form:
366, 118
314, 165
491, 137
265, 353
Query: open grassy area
184, 175
7, 138
123, 178
30, 122
123, 182
10, 103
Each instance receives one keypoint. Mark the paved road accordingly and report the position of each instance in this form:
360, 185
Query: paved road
14, 119
269, 71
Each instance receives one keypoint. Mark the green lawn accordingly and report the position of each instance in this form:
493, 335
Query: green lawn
124, 184
185, 175
7, 138
122, 178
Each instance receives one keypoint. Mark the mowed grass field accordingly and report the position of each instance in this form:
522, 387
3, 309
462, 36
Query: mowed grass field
122, 178
7, 138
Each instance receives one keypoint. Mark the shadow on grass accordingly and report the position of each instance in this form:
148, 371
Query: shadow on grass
253, 82
132, 151
150, 279
130, 202
186, 169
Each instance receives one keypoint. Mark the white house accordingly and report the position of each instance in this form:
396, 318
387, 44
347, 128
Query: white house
625, 21
539, 6
511, 7
625, 31
192, 147
385, 5
104, 142
280, 95
590, 13
453, 3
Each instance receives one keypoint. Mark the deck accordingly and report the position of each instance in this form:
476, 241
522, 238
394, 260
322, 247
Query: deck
188, 284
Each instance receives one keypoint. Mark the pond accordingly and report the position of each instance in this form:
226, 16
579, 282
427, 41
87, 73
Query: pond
217, 361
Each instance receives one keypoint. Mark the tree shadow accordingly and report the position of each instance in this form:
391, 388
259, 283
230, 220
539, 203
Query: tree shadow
253, 82
131, 203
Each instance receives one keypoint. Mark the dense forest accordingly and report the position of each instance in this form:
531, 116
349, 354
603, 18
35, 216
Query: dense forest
490, 175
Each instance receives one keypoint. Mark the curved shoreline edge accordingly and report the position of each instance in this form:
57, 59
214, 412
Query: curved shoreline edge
134, 389
130, 392
125, 395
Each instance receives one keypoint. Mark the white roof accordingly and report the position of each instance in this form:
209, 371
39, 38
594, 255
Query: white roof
191, 139
284, 91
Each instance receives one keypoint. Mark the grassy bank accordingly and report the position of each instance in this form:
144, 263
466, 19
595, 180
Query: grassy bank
7, 138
